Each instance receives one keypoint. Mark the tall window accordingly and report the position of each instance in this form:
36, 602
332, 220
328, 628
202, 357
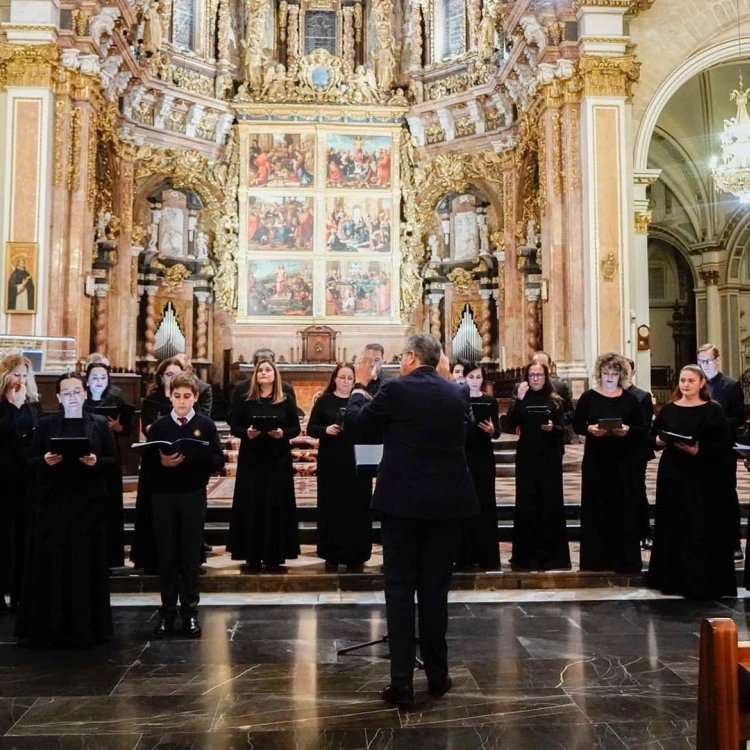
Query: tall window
184, 28
320, 31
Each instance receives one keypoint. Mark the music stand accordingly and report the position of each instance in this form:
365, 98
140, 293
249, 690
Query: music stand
367, 459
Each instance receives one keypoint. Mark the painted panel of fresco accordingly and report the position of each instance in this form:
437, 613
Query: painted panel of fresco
358, 288
277, 222
281, 160
279, 287
358, 161
358, 224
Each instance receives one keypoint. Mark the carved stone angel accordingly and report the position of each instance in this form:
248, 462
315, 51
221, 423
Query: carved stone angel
274, 83
364, 86
486, 38
253, 64
385, 67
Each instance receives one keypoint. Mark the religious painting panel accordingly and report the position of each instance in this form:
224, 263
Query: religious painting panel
358, 161
358, 224
280, 287
277, 222
21, 277
358, 288
281, 160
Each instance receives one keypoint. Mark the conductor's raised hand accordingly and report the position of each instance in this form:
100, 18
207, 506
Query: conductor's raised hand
252, 432
363, 368
333, 429
170, 461
276, 434
89, 460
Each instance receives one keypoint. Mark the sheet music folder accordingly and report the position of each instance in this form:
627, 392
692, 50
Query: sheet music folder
368, 455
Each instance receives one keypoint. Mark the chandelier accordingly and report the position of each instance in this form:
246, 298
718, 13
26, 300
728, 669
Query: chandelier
732, 173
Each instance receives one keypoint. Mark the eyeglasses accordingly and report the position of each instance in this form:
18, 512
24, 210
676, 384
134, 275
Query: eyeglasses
403, 354
536, 376
705, 361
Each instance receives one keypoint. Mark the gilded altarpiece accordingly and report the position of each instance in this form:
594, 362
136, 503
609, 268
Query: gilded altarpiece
320, 199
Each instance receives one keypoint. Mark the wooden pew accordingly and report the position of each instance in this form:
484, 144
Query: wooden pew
723, 687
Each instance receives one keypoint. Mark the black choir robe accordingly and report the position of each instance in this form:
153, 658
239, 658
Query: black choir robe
540, 535
16, 430
693, 552
66, 582
344, 517
610, 530
263, 525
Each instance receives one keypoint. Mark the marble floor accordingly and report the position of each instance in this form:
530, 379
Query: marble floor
530, 674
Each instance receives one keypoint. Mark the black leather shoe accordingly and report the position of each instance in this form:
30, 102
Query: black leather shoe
191, 628
438, 691
738, 556
164, 628
398, 696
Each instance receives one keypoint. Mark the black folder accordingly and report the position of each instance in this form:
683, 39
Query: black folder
610, 423
670, 438
265, 423
70, 447
125, 412
190, 447
538, 415
483, 411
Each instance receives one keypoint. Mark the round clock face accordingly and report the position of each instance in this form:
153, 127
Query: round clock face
643, 331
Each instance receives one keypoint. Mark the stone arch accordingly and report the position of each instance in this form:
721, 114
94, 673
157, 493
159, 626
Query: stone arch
658, 232
708, 58
736, 238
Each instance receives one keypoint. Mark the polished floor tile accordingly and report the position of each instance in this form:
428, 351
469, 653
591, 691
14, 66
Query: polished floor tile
576, 675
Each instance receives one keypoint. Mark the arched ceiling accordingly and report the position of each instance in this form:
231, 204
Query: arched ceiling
685, 140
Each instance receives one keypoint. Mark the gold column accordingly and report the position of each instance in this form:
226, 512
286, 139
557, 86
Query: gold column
486, 325
100, 318
436, 328
149, 336
201, 328
512, 329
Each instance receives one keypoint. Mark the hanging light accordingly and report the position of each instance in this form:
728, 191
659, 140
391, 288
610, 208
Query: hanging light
731, 173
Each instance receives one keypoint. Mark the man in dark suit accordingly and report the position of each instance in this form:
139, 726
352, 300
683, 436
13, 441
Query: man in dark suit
645, 454
205, 394
728, 393
423, 490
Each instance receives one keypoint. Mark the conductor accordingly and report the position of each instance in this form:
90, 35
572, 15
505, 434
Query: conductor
423, 488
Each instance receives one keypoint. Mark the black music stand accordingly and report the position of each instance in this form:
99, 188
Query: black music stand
367, 459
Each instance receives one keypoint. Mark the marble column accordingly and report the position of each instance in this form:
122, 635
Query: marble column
100, 318
436, 328
710, 278
607, 75
149, 334
485, 328
201, 328
511, 333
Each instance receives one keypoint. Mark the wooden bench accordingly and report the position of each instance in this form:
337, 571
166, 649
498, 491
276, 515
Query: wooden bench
723, 687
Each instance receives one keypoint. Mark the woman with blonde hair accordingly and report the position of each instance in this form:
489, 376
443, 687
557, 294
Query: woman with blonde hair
20, 412
610, 418
693, 552
263, 526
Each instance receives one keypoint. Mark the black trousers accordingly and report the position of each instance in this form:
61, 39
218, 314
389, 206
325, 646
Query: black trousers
178, 528
418, 558
644, 524
729, 474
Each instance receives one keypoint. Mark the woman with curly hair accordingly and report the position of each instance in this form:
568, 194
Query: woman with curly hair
610, 534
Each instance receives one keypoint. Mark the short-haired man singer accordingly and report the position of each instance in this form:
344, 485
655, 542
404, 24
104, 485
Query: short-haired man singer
423, 488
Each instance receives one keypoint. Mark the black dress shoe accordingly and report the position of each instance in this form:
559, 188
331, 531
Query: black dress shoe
191, 628
398, 696
164, 628
438, 691
738, 556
